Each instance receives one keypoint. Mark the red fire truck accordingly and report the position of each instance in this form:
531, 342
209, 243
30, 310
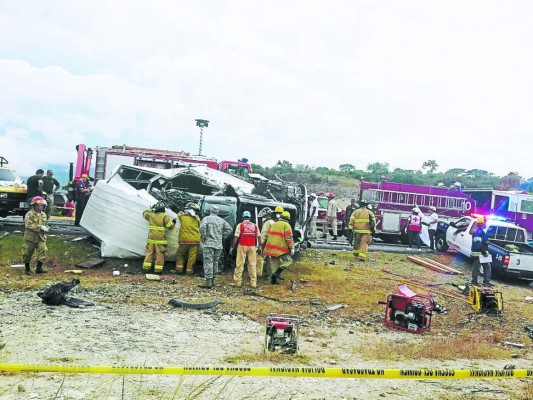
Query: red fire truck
107, 158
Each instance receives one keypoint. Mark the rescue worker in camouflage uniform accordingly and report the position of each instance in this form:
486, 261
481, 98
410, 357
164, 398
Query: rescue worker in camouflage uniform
158, 223
248, 237
50, 185
189, 237
280, 246
362, 223
214, 231
35, 236
263, 260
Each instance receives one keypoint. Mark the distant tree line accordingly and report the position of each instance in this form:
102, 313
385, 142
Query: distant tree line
374, 172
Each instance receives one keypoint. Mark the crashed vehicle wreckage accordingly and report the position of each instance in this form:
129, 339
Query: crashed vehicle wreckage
113, 214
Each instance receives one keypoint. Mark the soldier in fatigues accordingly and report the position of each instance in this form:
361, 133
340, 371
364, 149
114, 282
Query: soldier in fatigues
213, 232
263, 260
158, 222
280, 246
362, 223
35, 236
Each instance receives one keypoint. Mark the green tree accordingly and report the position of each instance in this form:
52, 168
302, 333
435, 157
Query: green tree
347, 168
430, 165
378, 168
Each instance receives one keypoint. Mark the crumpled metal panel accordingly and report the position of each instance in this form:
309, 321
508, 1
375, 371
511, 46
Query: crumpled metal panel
114, 216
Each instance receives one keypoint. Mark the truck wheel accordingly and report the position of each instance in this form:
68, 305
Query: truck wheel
440, 243
404, 238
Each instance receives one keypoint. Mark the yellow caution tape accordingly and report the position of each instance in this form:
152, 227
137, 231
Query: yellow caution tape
296, 372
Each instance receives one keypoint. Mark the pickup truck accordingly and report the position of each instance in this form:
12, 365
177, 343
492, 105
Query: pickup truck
511, 253
12, 192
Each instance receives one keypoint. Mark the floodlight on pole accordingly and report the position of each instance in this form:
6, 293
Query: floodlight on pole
202, 123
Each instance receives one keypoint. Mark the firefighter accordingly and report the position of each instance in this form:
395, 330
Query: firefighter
480, 247
331, 217
248, 237
280, 246
263, 260
189, 237
35, 236
362, 223
158, 223
349, 211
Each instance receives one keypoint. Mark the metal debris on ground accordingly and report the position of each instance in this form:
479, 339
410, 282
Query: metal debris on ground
336, 307
73, 271
56, 295
519, 345
293, 285
91, 263
151, 277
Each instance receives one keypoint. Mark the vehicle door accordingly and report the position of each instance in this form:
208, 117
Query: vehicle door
458, 236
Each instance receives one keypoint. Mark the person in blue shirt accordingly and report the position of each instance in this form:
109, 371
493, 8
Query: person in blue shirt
479, 248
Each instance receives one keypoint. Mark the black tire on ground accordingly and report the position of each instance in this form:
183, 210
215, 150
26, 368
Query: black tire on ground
389, 238
404, 239
440, 243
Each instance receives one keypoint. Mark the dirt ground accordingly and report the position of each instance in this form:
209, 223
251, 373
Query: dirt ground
120, 332
132, 324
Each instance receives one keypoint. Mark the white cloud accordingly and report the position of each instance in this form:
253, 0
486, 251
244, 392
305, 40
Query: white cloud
312, 82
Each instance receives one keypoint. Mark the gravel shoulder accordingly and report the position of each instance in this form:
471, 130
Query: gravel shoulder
158, 335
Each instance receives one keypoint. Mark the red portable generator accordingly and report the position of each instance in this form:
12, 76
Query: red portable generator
282, 333
408, 311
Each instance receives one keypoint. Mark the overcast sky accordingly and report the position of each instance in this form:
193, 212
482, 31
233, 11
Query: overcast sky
321, 83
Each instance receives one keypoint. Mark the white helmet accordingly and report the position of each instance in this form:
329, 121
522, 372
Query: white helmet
313, 195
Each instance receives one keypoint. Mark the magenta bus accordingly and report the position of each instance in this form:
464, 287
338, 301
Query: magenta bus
393, 203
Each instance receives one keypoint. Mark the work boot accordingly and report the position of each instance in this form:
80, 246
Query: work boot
489, 284
40, 269
324, 237
474, 283
208, 284
334, 237
276, 277
27, 269
183, 270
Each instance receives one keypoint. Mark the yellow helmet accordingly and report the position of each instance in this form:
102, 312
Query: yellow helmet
279, 209
480, 219
285, 215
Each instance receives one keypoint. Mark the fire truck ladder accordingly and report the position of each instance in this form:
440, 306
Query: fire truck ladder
411, 199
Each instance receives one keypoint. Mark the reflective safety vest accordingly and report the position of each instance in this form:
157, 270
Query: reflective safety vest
158, 224
362, 221
249, 232
280, 240
414, 223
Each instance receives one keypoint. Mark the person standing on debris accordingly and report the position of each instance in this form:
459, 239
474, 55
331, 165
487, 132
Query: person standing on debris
262, 260
35, 185
414, 226
158, 223
480, 247
50, 185
83, 190
432, 228
280, 246
362, 224
331, 217
35, 236
313, 215
189, 238
214, 230
349, 211
247, 238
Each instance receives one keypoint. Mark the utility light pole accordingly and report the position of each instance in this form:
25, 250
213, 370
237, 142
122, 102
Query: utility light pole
202, 123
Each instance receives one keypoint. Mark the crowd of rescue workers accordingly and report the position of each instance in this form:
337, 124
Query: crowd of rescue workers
266, 252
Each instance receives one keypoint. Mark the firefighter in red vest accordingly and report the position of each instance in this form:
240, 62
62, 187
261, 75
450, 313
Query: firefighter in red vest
280, 246
414, 226
248, 237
